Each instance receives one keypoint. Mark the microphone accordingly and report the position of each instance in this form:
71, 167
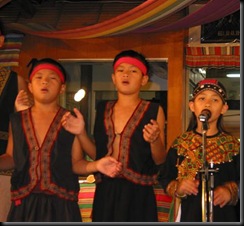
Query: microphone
205, 115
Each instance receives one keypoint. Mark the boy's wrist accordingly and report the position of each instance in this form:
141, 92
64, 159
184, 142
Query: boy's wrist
184, 196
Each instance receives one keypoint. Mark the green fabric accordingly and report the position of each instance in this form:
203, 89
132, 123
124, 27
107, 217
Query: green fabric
171, 211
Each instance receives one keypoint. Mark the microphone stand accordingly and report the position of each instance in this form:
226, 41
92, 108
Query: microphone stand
207, 178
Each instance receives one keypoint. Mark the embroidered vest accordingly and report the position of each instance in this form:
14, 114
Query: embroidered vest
135, 152
53, 159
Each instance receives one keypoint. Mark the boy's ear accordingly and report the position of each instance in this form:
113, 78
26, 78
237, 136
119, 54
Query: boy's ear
63, 88
30, 87
145, 79
112, 76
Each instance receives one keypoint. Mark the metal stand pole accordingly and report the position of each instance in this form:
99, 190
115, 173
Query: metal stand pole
204, 177
211, 191
207, 178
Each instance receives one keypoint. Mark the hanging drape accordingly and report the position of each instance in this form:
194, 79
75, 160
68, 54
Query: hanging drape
213, 55
211, 11
147, 17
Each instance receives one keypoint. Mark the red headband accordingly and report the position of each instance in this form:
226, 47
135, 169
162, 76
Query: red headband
133, 61
50, 67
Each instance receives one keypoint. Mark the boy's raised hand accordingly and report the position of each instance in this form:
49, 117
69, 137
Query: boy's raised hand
23, 101
73, 124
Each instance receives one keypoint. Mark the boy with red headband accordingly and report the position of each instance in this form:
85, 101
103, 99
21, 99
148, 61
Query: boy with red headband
131, 130
45, 157
181, 177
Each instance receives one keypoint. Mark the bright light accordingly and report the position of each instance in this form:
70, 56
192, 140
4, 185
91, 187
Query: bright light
202, 70
233, 75
79, 95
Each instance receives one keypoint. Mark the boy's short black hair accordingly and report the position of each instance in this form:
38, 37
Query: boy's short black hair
134, 54
35, 62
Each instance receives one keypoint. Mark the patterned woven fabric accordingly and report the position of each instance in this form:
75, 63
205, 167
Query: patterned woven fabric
9, 53
163, 203
86, 196
215, 56
85, 200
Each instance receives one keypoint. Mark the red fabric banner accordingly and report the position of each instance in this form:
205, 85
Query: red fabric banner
213, 56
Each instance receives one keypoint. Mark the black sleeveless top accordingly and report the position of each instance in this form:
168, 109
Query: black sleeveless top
52, 159
135, 152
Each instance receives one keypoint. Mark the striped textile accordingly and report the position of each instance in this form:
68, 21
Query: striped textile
86, 196
85, 200
213, 56
163, 203
9, 52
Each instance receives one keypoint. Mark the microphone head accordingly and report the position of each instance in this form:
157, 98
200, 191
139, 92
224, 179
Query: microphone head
205, 115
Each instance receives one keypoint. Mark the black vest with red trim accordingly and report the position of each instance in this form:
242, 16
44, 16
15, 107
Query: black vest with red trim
135, 153
49, 167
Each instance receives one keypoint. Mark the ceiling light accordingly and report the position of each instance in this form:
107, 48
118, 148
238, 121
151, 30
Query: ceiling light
79, 95
236, 75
